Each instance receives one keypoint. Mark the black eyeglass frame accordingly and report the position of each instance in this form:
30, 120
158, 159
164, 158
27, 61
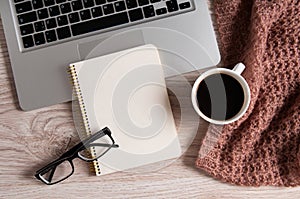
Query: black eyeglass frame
74, 153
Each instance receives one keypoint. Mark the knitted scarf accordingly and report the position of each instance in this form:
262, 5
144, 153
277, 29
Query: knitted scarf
263, 147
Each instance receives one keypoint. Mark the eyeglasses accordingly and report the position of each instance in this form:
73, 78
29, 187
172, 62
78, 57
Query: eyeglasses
87, 150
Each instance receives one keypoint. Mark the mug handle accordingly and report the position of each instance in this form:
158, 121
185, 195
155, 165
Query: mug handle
239, 68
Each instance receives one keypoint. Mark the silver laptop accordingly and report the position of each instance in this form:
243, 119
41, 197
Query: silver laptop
44, 36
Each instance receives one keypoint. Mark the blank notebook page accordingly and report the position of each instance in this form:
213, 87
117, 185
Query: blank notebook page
126, 92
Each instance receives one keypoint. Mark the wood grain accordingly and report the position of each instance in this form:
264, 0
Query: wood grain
28, 140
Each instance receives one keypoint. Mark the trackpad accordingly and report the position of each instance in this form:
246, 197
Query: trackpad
115, 43
178, 52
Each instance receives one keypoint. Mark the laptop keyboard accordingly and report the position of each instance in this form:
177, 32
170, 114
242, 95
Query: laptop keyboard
44, 22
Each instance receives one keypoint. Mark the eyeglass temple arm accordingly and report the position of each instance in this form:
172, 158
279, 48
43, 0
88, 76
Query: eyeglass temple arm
84, 142
81, 146
104, 145
97, 135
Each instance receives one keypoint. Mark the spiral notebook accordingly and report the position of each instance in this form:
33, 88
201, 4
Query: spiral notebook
126, 92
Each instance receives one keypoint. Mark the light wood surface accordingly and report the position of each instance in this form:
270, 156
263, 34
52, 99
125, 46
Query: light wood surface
29, 140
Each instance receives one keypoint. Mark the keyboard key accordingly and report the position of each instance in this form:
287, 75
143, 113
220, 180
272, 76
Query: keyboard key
28, 41
161, 11
39, 39
99, 23
26, 29
43, 13
85, 14
97, 12
143, 2
54, 11
88, 3
17, 1
172, 5
50, 36
62, 20
149, 11
131, 4
51, 23
23, 7
49, 2
108, 9
76, 5
136, 14
185, 5
27, 17
63, 32
154, 1
74, 17
120, 6
60, 1
37, 4
39, 26
65, 8
100, 2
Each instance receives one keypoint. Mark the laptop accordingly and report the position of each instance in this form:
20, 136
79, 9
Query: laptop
45, 36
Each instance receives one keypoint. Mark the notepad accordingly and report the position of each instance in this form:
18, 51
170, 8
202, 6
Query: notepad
126, 92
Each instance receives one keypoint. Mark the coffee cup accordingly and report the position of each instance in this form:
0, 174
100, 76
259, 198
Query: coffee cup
220, 95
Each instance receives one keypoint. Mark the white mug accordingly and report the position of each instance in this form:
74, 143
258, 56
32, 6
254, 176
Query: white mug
236, 74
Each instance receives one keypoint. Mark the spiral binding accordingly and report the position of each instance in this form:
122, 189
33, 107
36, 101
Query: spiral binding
94, 167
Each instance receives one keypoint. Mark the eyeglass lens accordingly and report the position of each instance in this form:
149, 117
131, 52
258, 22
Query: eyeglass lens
58, 172
97, 149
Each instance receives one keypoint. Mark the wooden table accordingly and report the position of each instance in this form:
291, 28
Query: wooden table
28, 140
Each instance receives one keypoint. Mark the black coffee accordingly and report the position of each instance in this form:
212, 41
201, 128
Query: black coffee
220, 96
